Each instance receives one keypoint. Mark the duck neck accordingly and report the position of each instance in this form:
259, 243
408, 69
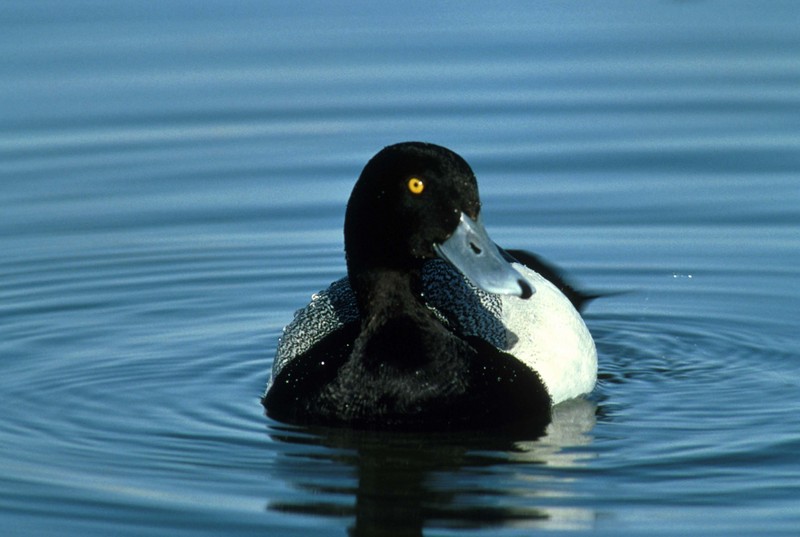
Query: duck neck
386, 292
398, 332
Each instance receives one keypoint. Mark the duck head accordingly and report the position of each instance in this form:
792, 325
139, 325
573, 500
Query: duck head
416, 201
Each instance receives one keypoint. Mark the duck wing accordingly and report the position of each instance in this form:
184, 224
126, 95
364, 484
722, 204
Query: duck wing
553, 274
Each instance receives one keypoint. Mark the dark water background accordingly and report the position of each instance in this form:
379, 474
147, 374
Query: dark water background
172, 185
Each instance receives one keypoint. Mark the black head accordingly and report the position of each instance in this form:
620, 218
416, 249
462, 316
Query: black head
409, 197
415, 201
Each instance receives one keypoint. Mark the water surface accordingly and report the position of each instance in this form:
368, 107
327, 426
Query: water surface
172, 189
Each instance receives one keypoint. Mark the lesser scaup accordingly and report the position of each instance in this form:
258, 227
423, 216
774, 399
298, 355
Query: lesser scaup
435, 327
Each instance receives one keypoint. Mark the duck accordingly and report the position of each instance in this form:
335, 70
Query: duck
435, 327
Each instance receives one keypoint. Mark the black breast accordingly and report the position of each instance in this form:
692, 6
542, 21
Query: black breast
402, 377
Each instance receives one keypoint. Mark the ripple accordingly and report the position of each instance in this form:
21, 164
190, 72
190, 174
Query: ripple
173, 188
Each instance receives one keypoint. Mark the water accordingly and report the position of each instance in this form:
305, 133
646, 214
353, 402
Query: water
172, 188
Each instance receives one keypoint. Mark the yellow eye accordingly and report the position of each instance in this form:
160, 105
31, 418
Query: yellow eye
415, 185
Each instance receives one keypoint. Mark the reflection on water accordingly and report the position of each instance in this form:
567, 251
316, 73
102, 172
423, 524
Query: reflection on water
398, 484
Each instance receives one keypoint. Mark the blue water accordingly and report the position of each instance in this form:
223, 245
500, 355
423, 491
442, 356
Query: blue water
173, 177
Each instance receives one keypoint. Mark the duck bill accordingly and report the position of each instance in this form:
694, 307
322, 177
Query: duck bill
472, 252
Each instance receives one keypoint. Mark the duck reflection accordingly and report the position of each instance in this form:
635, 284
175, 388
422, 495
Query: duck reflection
399, 484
